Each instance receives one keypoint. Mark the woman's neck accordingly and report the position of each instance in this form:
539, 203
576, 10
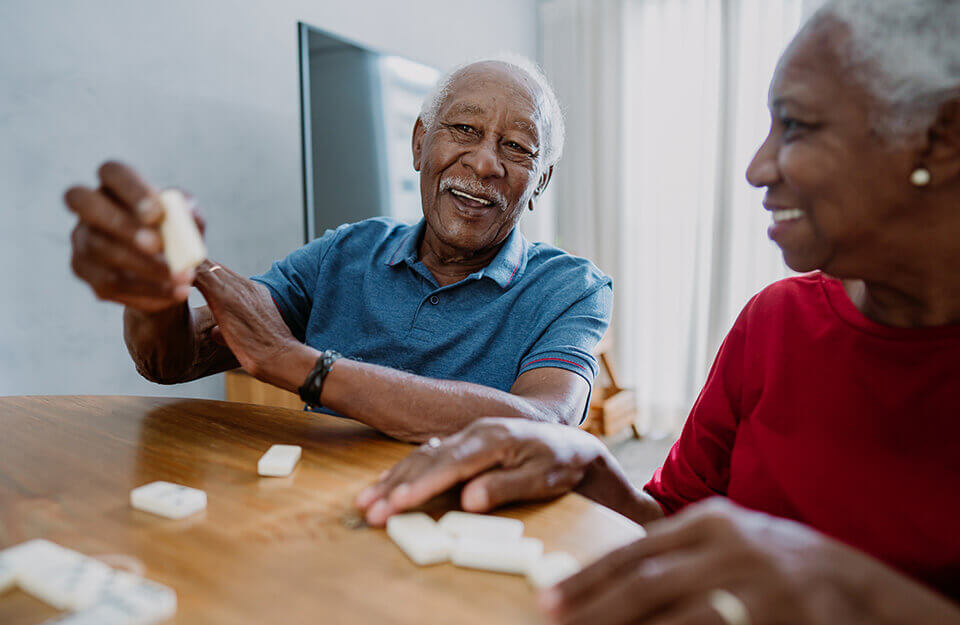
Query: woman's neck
911, 299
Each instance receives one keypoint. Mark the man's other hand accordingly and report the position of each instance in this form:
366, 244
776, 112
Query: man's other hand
116, 244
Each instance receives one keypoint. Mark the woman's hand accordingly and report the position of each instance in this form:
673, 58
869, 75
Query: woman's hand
781, 571
249, 323
500, 459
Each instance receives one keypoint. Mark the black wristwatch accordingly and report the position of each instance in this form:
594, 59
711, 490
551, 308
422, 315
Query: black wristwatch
310, 391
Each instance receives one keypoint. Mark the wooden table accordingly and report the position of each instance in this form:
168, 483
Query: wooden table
266, 550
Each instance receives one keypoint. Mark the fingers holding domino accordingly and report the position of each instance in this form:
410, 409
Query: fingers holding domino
128, 244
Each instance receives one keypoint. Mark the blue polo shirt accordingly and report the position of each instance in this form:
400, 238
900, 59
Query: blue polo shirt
362, 291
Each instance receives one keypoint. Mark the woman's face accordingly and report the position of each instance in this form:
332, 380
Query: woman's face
836, 191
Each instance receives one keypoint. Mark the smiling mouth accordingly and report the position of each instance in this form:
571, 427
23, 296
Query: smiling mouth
471, 200
787, 214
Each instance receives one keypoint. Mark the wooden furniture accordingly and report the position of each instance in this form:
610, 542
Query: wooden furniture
266, 550
244, 388
612, 407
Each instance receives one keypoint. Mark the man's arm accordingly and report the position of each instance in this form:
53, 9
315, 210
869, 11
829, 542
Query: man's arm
175, 345
402, 405
414, 408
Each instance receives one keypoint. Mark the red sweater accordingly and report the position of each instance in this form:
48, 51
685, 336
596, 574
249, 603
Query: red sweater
815, 413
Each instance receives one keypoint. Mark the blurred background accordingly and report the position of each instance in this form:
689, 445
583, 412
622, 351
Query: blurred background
288, 117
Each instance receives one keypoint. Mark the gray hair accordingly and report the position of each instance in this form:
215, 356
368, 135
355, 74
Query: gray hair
906, 53
553, 130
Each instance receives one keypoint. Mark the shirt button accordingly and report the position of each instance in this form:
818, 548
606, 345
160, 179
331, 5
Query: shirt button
434, 300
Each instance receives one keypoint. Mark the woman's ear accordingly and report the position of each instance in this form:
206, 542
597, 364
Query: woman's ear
942, 155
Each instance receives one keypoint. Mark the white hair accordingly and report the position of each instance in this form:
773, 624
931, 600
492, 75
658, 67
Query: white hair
553, 127
906, 53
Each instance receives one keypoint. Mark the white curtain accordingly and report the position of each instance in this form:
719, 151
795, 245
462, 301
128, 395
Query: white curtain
666, 104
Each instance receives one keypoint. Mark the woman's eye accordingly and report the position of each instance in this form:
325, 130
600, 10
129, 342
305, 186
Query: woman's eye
792, 125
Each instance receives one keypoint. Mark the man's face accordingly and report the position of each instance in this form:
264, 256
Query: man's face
480, 164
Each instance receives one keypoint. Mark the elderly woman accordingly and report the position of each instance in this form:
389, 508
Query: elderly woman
831, 412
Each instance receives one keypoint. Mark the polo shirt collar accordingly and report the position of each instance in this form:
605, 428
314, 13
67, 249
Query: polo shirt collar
505, 269
507, 266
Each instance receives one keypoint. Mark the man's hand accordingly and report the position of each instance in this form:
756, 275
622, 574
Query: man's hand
249, 324
116, 242
501, 460
781, 571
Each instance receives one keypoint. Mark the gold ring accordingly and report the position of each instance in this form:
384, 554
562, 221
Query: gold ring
729, 606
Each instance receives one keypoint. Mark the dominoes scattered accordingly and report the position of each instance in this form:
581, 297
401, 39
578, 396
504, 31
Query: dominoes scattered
420, 538
95, 593
8, 576
552, 568
182, 244
459, 524
279, 460
168, 500
70, 585
503, 556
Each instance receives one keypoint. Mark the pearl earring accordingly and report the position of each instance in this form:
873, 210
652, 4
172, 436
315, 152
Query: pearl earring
920, 177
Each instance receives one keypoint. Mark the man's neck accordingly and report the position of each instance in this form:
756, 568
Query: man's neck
450, 265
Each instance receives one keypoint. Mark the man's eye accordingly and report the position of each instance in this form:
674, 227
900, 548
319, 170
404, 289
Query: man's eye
516, 147
463, 128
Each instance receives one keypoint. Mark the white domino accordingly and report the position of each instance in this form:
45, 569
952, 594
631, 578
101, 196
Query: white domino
467, 524
144, 601
419, 537
74, 585
182, 244
94, 593
552, 568
8, 575
279, 460
168, 500
502, 556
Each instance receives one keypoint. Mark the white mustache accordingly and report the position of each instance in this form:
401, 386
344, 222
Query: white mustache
474, 187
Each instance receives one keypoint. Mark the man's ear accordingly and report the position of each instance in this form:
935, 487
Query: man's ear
541, 185
419, 130
942, 155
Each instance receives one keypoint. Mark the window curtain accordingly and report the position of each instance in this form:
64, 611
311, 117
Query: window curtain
665, 103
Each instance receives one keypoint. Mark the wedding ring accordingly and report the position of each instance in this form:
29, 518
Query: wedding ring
730, 607
214, 268
433, 442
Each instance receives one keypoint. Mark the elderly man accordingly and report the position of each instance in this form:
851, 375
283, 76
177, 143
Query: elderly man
438, 324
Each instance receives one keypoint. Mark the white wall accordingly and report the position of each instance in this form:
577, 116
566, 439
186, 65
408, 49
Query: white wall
202, 94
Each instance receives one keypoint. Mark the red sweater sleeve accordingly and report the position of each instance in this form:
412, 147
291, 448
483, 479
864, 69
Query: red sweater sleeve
698, 465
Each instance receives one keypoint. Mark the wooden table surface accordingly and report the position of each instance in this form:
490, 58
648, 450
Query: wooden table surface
266, 550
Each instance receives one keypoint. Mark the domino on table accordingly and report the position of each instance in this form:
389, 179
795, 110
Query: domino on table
71, 585
168, 500
182, 244
72, 581
419, 537
460, 524
551, 568
279, 460
502, 556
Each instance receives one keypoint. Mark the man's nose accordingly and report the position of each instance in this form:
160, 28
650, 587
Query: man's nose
484, 160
